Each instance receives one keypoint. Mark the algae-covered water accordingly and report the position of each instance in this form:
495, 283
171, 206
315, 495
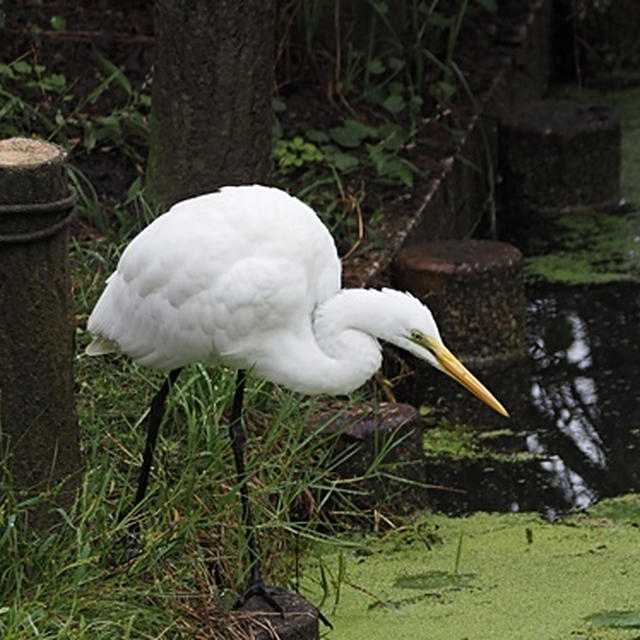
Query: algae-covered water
490, 576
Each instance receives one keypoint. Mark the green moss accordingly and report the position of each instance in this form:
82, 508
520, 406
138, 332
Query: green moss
625, 509
587, 247
513, 576
460, 441
456, 441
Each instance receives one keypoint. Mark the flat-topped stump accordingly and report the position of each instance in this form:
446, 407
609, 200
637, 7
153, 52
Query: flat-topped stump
476, 293
388, 438
557, 155
39, 435
475, 290
257, 620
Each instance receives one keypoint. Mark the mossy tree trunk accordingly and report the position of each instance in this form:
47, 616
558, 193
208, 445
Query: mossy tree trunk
211, 111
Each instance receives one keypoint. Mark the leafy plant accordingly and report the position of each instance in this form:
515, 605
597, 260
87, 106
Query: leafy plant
295, 153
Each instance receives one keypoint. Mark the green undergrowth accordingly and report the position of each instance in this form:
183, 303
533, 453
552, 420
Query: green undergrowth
489, 576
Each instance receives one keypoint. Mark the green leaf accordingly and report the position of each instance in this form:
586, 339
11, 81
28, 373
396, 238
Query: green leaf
376, 67
55, 82
8, 107
317, 136
7, 71
351, 134
394, 103
416, 101
134, 189
278, 105
434, 580
341, 161
393, 136
378, 157
616, 619
442, 90
395, 63
488, 5
380, 6
390, 166
89, 138
59, 23
400, 169
116, 74
22, 66
364, 130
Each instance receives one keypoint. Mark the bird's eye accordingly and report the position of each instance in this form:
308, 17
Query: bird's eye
423, 340
419, 338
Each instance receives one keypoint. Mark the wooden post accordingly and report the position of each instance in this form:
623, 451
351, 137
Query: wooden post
39, 438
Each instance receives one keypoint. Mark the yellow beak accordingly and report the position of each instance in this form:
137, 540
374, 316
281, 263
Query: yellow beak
453, 367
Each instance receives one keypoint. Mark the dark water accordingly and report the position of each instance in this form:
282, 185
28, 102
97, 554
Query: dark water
574, 401
583, 397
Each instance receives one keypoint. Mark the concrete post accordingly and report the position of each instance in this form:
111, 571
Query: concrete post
39, 438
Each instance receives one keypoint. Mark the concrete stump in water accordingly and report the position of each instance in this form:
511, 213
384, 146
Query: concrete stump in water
256, 620
555, 155
37, 417
387, 439
476, 293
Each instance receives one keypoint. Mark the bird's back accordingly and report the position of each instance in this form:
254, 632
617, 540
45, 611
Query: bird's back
215, 278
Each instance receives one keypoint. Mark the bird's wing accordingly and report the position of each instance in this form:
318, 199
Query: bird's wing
231, 319
214, 277
256, 303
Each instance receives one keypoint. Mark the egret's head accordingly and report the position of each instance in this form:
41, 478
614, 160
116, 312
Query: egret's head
414, 330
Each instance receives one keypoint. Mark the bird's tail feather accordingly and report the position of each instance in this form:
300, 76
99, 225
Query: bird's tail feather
100, 346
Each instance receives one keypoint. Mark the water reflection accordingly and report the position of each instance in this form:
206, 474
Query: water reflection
583, 397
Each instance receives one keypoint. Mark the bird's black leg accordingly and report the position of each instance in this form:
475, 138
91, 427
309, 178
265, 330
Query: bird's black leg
238, 437
153, 425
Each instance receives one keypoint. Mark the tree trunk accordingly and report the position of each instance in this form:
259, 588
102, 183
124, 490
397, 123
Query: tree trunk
211, 111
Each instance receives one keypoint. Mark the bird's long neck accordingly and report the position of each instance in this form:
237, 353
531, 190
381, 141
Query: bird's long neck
346, 328
340, 350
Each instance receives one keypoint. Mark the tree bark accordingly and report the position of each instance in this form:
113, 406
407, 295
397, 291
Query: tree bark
211, 109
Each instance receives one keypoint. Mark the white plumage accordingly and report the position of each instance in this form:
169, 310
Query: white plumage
249, 277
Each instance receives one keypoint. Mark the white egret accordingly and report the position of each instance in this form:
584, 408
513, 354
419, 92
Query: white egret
249, 277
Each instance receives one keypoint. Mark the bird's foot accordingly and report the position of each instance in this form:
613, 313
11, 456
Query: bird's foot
258, 587
268, 592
